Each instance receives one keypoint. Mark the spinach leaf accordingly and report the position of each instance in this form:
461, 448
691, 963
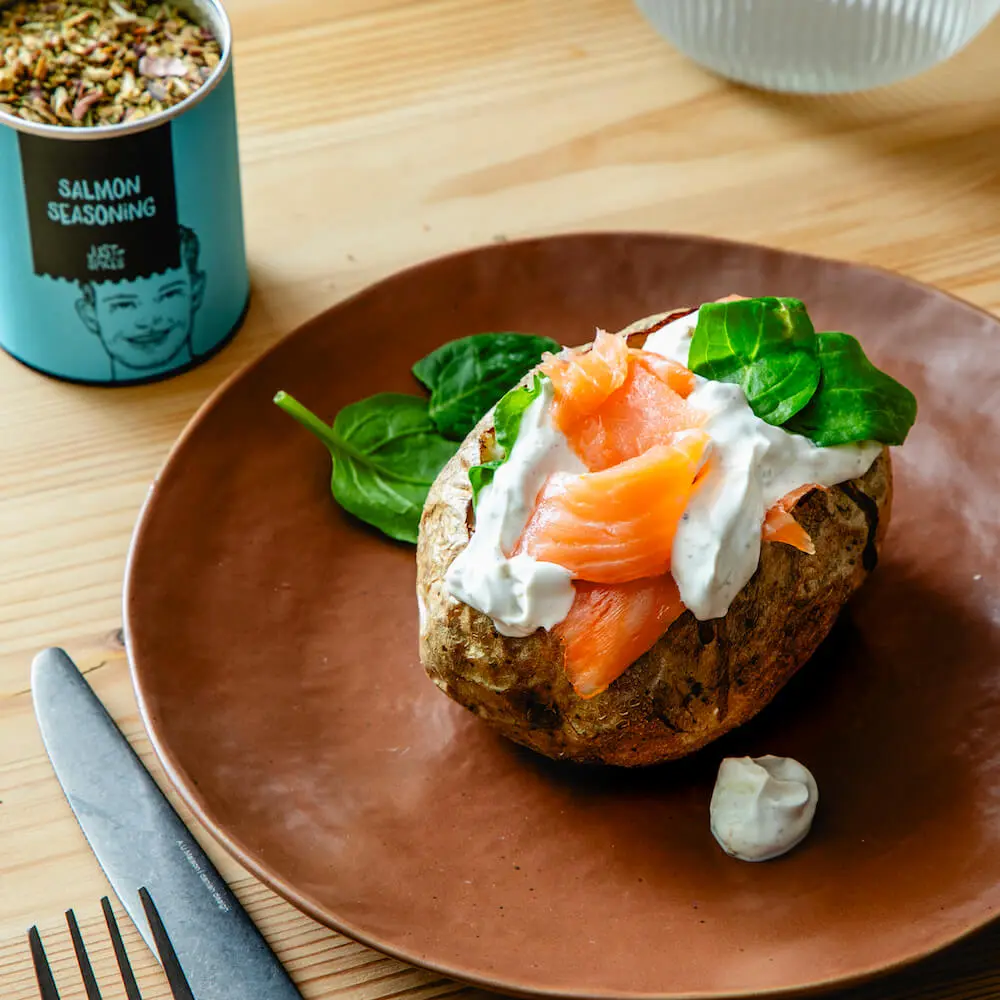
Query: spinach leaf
507, 424
767, 346
467, 376
482, 475
855, 400
386, 453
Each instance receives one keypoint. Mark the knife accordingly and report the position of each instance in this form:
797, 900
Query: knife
140, 840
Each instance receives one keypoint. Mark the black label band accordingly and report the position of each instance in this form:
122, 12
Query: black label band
101, 209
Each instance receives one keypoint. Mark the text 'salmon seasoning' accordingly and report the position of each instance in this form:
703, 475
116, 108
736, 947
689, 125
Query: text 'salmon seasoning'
108, 205
101, 203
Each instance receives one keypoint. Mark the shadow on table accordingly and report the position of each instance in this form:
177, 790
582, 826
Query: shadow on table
942, 122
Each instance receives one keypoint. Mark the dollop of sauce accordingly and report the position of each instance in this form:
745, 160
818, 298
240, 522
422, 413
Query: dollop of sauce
520, 594
762, 807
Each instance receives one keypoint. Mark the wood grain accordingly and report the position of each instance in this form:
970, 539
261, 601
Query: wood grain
377, 133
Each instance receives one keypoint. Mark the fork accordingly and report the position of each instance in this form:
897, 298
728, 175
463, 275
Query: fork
168, 957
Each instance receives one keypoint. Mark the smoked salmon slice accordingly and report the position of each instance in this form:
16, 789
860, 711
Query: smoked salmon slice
582, 380
610, 626
672, 373
616, 525
645, 412
613, 403
780, 526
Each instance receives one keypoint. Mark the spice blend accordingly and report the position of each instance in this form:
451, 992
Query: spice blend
99, 63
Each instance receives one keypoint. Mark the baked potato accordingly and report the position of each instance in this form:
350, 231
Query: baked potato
699, 681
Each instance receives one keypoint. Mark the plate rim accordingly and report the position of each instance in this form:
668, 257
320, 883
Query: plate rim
186, 788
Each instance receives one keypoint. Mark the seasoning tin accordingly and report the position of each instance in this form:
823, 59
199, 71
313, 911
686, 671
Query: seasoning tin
122, 256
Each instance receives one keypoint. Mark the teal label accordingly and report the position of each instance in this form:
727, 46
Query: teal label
124, 260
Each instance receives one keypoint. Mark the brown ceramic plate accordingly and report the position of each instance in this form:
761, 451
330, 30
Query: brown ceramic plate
273, 641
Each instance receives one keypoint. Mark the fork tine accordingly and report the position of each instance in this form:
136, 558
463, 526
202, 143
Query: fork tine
168, 957
43, 971
128, 977
82, 958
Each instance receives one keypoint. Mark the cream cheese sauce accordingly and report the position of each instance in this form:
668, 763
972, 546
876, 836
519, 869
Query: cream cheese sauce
717, 546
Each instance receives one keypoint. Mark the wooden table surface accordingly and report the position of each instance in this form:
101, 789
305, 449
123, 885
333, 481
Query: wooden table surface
377, 133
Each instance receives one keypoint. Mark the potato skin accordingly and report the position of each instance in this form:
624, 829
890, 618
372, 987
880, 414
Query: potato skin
699, 681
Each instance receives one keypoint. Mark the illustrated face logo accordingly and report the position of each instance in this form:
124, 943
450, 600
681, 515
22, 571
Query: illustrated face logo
147, 323
144, 324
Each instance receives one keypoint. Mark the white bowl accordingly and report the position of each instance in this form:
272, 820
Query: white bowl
819, 46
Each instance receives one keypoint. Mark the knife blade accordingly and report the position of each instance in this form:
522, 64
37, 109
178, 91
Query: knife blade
139, 840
